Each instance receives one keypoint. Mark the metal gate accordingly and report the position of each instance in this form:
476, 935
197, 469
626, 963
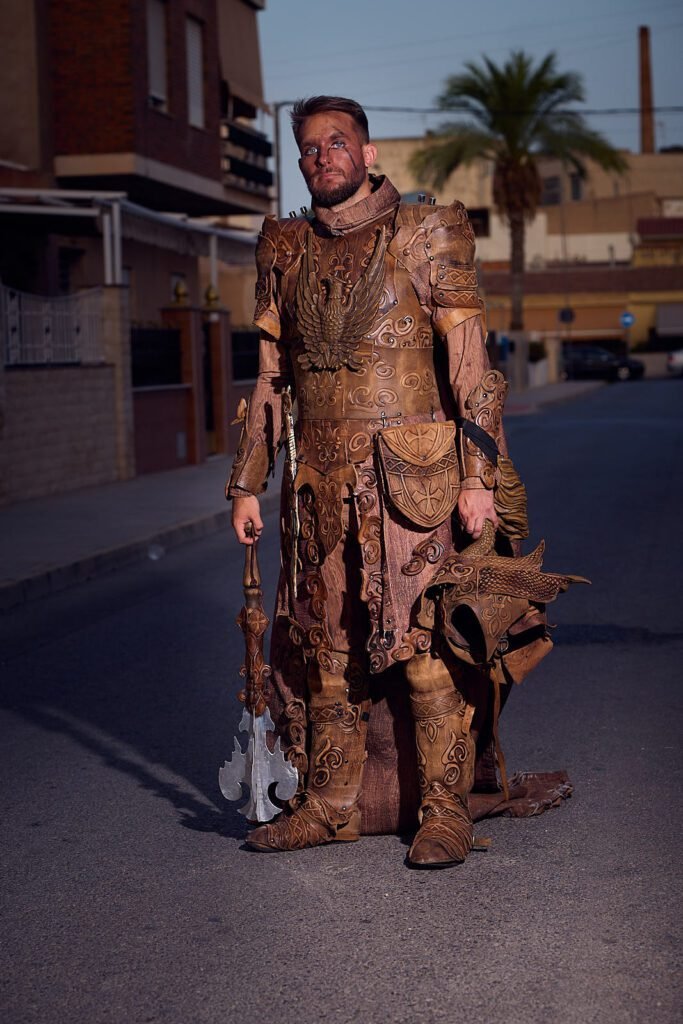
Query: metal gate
40, 331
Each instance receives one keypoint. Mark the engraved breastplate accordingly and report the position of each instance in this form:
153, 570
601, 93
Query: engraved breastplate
347, 392
390, 368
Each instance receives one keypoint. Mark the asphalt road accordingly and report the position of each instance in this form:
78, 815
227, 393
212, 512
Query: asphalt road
129, 897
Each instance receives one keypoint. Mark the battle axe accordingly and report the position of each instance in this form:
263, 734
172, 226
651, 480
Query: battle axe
258, 768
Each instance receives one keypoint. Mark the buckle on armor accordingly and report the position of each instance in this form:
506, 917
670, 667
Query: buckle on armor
390, 421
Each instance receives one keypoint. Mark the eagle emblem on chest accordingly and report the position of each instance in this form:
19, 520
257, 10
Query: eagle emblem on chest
332, 318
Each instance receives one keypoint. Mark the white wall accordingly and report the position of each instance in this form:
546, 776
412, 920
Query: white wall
540, 247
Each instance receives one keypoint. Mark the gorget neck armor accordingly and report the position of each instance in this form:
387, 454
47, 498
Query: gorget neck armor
383, 198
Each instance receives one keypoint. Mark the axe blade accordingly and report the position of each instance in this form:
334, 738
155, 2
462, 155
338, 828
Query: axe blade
258, 768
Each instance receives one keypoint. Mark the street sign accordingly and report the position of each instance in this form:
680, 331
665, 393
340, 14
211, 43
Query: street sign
627, 319
566, 315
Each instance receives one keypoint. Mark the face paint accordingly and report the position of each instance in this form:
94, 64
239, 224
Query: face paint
333, 158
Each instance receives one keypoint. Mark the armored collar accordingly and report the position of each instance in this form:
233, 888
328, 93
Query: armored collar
339, 222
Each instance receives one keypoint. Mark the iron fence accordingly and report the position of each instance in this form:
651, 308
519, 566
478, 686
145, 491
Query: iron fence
51, 330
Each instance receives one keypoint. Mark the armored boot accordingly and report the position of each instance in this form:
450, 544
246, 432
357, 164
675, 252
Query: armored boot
445, 764
328, 809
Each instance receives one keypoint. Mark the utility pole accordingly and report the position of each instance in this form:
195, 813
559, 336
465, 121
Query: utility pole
277, 107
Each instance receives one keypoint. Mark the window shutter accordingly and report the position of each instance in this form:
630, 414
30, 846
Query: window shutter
156, 52
195, 72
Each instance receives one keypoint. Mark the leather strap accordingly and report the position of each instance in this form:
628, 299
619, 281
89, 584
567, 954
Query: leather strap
479, 436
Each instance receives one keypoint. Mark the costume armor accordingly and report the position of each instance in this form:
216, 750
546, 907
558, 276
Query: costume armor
353, 300
371, 315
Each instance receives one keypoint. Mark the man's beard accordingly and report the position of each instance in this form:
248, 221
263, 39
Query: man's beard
333, 195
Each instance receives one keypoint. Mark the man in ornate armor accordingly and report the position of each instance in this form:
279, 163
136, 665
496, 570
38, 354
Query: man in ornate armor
370, 319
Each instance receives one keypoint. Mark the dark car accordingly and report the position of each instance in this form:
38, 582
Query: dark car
595, 362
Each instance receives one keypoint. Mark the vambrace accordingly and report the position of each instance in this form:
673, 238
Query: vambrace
261, 419
481, 429
253, 459
483, 460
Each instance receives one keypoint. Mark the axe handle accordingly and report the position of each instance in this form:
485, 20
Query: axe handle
253, 622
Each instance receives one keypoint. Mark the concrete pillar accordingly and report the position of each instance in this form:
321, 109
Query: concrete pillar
517, 366
188, 320
116, 338
553, 351
220, 344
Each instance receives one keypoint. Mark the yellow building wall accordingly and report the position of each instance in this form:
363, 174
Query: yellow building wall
596, 314
471, 185
236, 285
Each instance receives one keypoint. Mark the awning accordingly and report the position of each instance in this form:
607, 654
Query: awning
112, 215
238, 45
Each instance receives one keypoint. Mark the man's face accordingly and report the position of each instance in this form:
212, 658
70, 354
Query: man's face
334, 161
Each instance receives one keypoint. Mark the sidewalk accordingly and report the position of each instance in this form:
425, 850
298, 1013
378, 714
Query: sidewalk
52, 543
524, 402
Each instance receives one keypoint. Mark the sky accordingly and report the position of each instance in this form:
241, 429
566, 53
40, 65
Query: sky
399, 53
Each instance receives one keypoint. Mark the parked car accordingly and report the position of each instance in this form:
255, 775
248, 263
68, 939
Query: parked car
593, 361
674, 363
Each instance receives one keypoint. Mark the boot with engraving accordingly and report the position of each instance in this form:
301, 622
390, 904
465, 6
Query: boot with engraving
328, 810
445, 764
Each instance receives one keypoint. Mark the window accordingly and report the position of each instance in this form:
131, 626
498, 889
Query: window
552, 191
479, 219
156, 54
195, 72
575, 185
67, 261
245, 346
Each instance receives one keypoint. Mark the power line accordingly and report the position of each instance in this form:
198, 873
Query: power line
442, 110
604, 110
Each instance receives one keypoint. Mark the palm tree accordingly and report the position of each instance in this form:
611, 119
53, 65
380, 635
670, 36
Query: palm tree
514, 115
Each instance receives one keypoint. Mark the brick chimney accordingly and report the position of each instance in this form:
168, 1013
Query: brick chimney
647, 122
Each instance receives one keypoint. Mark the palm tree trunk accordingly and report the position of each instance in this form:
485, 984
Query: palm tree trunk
516, 220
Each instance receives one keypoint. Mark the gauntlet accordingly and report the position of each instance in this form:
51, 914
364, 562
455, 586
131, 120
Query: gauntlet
252, 460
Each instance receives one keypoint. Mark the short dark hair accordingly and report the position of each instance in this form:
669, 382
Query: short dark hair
304, 109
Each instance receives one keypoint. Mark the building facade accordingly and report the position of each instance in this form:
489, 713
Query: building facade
130, 131
585, 248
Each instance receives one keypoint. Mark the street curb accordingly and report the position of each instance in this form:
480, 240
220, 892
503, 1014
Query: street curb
63, 577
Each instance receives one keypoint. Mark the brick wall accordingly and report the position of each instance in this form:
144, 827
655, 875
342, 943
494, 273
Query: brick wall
168, 137
100, 86
92, 80
59, 430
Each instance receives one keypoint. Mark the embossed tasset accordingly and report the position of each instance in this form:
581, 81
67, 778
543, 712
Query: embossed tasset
420, 471
350, 306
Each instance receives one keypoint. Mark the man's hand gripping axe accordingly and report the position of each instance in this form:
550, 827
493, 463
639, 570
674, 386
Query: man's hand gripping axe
258, 768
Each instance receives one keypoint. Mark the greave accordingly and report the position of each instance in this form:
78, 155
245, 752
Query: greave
328, 810
445, 764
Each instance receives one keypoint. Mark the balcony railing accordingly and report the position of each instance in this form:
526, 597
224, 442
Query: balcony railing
244, 158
